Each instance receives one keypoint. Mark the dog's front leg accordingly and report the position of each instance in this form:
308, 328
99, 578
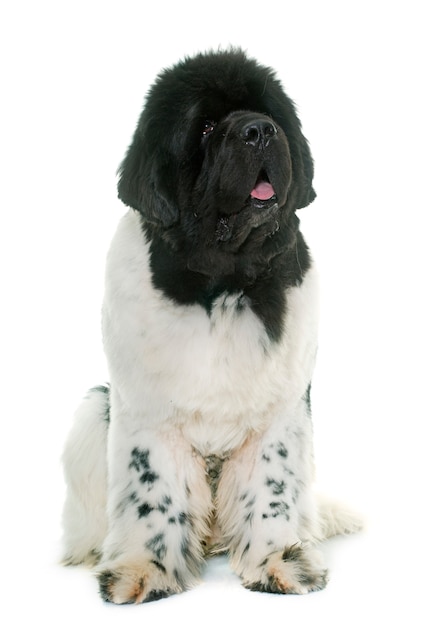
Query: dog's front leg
158, 506
266, 509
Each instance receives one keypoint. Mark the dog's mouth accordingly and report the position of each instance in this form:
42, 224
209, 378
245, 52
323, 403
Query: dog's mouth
263, 191
259, 206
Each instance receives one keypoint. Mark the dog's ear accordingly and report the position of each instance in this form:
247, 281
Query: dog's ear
143, 183
302, 190
284, 112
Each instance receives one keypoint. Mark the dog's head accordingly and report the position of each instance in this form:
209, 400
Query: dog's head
218, 163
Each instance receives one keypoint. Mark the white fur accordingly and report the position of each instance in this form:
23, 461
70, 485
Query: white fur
186, 385
85, 464
217, 378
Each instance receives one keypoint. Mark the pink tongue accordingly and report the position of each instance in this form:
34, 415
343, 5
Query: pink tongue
263, 191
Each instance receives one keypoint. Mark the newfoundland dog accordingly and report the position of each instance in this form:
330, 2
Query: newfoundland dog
202, 442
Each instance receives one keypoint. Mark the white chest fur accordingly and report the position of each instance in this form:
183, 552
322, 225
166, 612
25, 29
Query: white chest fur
218, 376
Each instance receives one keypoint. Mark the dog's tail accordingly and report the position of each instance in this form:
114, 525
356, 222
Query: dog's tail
335, 518
84, 462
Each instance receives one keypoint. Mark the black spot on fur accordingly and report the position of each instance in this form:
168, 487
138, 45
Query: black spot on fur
249, 517
279, 508
105, 390
177, 575
144, 510
182, 518
157, 594
157, 546
307, 399
266, 458
106, 581
160, 567
162, 508
270, 586
139, 460
149, 477
281, 450
314, 580
123, 505
277, 486
140, 463
185, 549
246, 549
101, 389
214, 465
293, 553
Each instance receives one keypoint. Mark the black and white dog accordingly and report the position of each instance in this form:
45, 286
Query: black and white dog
203, 440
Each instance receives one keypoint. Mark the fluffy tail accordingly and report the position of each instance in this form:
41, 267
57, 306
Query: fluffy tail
84, 461
334, 518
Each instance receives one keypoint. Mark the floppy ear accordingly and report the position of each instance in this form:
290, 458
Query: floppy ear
283, 110
142, 183
303, 171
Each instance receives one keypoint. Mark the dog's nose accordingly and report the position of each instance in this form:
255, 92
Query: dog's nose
258, 132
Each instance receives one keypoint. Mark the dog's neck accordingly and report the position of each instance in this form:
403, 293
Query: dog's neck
200, 278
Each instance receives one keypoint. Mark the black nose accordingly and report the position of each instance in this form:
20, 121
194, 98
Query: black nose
258, 132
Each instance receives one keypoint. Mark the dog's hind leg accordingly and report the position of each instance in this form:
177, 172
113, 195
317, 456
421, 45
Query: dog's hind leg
85, 469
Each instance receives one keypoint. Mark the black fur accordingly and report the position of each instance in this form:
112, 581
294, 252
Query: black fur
212, 127
105, 391
107, 580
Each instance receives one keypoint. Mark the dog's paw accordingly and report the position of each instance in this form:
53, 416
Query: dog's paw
296, 570
134, 583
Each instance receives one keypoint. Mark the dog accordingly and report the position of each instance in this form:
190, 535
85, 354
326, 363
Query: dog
202, 441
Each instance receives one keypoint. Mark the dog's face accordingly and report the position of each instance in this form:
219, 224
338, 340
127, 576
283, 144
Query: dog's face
218, 163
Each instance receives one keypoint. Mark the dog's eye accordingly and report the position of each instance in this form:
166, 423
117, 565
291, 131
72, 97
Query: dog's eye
208, 127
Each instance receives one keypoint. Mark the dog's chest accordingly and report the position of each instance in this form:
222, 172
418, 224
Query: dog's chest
217, 376
212, 357
218, 370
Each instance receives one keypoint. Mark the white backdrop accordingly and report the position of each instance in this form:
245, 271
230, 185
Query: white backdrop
73, 79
